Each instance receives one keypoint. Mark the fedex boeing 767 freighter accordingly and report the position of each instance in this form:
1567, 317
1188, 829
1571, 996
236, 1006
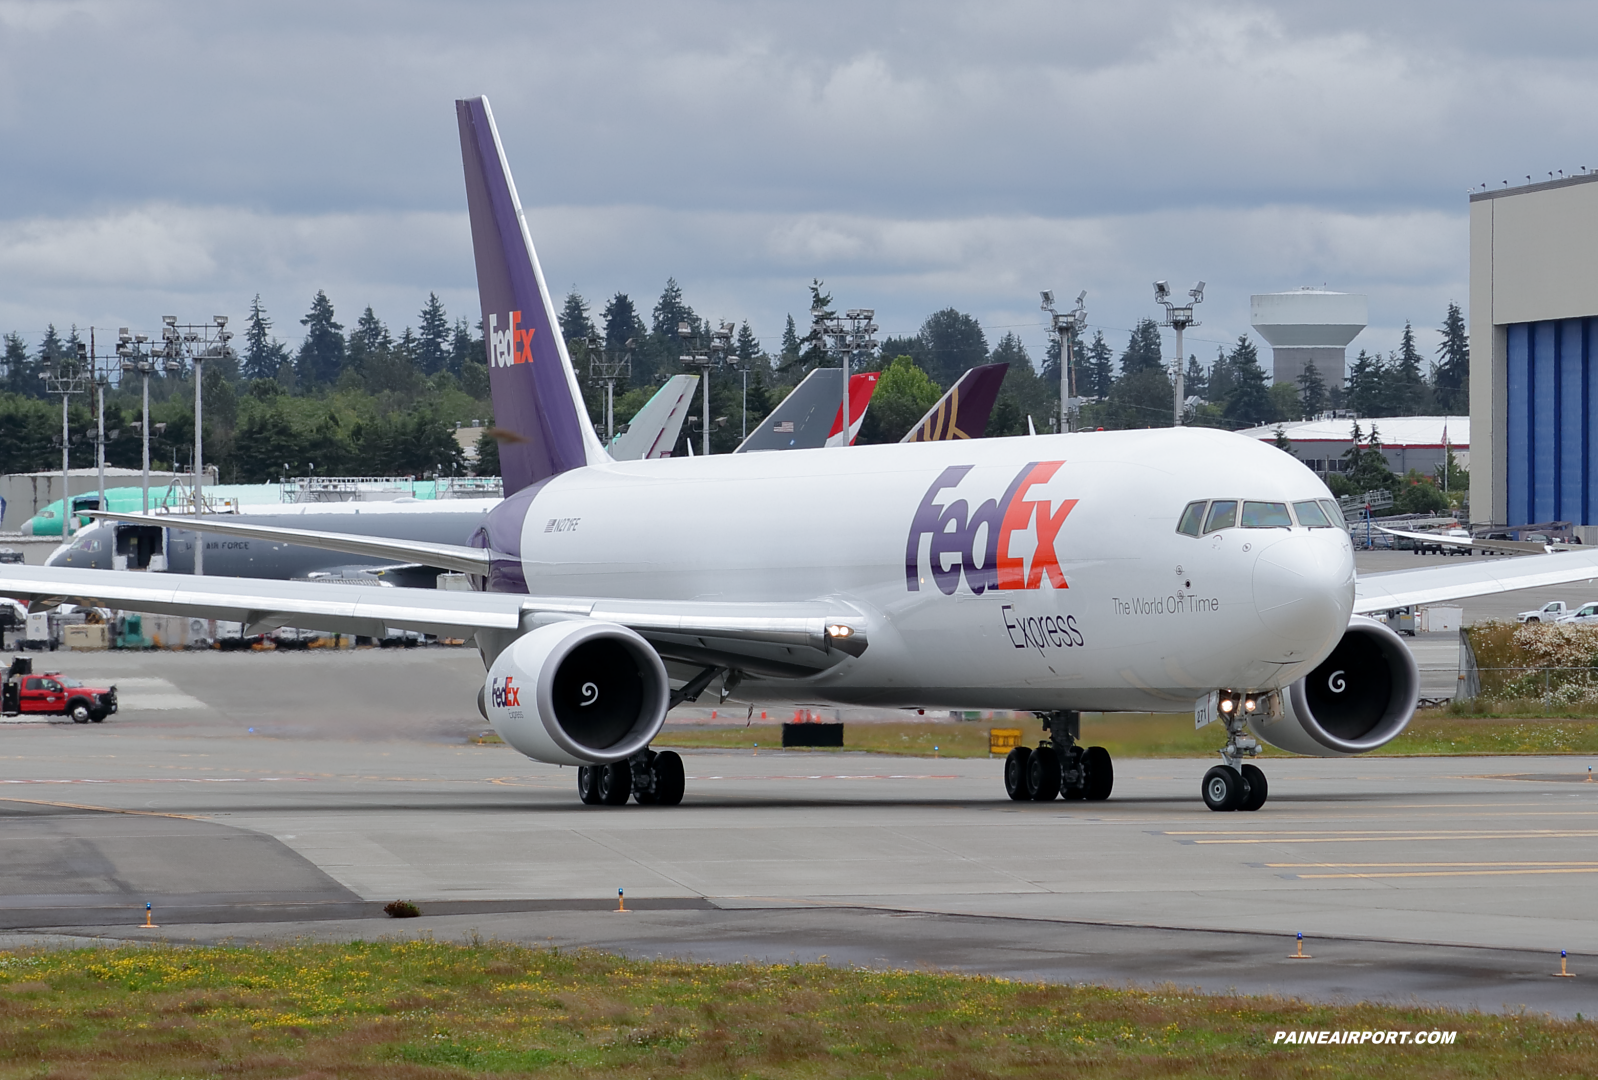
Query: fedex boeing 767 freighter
1173, 570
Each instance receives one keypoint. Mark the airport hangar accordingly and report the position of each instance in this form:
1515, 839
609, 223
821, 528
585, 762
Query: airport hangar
1534, 347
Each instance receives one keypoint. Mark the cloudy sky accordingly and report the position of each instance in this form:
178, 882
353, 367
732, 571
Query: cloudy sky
165, 157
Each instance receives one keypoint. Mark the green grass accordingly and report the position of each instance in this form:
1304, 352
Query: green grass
1158, 735
423, 1009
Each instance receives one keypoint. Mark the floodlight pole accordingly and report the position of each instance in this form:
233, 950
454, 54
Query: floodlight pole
135, 356
1179, 318
695, 358
1065, 327
99, 438
67, 380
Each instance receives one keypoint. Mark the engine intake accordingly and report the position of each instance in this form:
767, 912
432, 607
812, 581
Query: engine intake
577, 693
1360, 697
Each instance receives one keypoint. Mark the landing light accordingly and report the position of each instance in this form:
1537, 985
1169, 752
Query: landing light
838, 630
1227, 705
1250, 704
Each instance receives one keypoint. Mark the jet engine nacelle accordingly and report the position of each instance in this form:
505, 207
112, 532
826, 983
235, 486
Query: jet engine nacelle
1360, 697
577, 693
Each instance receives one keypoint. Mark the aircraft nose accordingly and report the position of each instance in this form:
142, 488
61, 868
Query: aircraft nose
1304, 592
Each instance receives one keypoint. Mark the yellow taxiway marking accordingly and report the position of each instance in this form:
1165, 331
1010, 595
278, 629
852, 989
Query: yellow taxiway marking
1331, 865
1529, 834
1454, 873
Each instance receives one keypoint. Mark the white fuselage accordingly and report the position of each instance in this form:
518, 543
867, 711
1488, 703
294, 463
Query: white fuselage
1137, 616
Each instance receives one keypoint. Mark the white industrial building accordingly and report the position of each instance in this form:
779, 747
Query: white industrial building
1308, 326
1534, 353
1408, 442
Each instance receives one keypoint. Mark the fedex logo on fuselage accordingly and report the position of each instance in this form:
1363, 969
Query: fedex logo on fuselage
512, 345
980, 543
506, 694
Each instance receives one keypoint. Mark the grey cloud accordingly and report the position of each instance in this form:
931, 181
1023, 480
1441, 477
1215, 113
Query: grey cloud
918, 155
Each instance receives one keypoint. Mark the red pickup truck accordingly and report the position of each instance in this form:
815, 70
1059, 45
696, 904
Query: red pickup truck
55, 694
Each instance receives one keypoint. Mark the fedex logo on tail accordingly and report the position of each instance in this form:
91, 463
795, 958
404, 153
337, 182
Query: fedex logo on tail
513, 345
506, 695
980, 544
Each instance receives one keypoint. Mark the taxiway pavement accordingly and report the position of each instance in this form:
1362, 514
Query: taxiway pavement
1448, 880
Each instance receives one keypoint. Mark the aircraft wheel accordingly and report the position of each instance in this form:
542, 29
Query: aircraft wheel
588, 784
1015, 773
1223, 788
1100, 772
1043, 774
669, 778
1254, 777
615, 782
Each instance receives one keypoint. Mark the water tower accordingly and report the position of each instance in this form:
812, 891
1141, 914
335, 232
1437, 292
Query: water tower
1309, 326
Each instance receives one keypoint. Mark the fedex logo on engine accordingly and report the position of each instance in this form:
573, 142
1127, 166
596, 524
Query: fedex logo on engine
505, 694
512, 345
981, 544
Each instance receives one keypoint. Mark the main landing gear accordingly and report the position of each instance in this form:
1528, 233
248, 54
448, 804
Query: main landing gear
1236, 785
1059, 767
653, 779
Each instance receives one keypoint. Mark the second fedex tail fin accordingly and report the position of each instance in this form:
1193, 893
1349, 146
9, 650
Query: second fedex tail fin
538, 407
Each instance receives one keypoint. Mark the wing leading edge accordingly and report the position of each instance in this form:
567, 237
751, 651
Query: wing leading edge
789, 639
1438, 584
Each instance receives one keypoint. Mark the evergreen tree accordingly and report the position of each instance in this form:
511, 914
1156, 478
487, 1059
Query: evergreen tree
666, 345
813, 346
466, 349
1221, 383
1364, 390
575, 325
19, 377
321, 357
621, 323
747, 347
367, 342
954, 342
1195, 383
1142, 349
1312, 391
790, 345
1406, 386
1451, 377
1249, 403
1099, 371
263, 355
433, 337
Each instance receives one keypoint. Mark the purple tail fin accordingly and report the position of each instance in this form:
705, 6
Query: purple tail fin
538, 409
963, 412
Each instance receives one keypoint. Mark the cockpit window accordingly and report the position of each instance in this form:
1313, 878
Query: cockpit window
1333, 512
1192, 519
1223, 515
86, 543
1266, 515
1310, 514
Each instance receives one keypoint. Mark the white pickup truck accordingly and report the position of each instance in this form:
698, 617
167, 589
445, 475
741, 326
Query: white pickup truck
1552, 611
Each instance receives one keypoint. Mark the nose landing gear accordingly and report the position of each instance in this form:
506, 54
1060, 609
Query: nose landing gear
1059, 767
1236, 785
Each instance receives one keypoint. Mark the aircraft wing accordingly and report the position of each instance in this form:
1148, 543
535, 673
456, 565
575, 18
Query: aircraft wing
1507, 547
457, 557
788, 639
1439, 584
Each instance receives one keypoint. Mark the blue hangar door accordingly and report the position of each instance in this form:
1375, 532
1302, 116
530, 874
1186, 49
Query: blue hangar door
1553, 405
